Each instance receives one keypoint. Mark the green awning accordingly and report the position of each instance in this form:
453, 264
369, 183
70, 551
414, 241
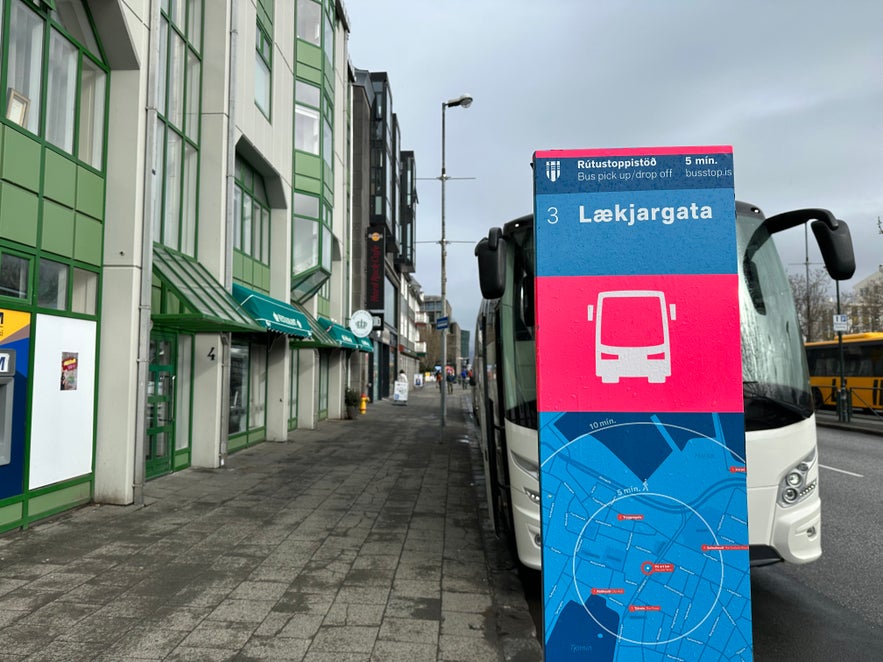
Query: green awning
365, 345
192, 300
318, 338
344, 337
275, 315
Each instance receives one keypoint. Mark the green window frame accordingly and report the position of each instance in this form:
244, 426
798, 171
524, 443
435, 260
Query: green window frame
64, 286
16, 271
251, 214
307, 117
312, 242
263, 68
177, 125
68, 65
308, 21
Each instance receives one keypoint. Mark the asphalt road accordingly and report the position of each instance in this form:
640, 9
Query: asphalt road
831, 609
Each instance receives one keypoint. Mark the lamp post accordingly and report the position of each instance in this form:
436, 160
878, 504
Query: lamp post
464, 101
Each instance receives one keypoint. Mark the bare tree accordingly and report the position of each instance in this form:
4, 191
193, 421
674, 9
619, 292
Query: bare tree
432, 338
815, 304
867, 309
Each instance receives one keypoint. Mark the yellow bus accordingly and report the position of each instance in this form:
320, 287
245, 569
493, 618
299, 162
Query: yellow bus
862, 370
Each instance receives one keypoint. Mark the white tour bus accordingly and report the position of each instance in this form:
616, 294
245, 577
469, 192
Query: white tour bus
784, 508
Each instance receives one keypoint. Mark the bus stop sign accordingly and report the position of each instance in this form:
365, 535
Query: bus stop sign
639, 386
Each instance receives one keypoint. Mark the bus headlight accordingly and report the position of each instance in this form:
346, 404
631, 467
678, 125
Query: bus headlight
796, 485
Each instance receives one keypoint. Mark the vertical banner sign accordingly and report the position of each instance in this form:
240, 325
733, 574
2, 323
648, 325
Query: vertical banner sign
374, 282
641, 433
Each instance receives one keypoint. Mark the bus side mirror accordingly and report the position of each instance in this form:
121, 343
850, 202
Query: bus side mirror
835, 244
491, 254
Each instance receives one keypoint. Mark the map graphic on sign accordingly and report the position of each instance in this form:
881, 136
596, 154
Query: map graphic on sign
636, 560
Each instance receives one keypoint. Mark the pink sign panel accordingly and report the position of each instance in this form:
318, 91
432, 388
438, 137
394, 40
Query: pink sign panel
636, 341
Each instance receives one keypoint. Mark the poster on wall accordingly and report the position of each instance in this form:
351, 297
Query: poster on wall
15, 351
69, 371
642, 458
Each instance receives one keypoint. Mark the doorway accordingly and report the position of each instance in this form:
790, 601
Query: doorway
160, 417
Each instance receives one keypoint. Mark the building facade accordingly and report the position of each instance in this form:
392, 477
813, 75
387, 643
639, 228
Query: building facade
384, 216
178, 253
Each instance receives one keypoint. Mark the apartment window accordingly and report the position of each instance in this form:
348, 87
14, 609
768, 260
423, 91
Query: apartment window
251, 232
311, 249
75, 79
263, 67
328, 41
327, 143
309, 21
177, 128
306, 129
24, 67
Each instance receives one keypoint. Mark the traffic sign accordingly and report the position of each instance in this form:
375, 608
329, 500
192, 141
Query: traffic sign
441, 323
841, 324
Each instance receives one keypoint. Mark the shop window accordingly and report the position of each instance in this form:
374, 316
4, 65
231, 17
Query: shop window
239, 384
84, 293
293, 383
52, 285
14, 275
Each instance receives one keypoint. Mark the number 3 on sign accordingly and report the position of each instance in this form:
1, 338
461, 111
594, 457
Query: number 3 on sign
553, 215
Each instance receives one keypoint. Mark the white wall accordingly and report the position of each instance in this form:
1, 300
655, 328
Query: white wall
62, 420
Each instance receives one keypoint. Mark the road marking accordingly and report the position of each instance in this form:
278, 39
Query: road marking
842, 471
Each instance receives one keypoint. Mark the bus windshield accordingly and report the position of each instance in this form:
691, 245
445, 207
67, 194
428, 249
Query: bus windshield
774, 374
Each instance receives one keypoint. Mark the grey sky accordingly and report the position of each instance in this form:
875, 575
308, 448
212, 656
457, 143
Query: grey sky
796, 86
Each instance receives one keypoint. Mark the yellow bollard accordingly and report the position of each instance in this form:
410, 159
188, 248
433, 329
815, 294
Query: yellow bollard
363, 404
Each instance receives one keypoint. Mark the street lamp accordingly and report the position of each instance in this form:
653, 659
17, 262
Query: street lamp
464, 101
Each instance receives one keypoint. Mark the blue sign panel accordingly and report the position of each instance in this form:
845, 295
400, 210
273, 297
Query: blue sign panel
441, 323
642, 477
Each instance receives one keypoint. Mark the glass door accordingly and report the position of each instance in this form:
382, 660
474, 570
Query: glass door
160, 404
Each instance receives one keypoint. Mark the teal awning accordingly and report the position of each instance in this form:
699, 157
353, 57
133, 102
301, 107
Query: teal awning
190, 299
365, 345
318, 338
344, 337
271, 313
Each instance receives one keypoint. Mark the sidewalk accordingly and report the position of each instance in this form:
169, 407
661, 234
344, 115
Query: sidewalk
858, 422
360, 541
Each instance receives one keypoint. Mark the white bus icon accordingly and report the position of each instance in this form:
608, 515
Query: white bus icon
631, 335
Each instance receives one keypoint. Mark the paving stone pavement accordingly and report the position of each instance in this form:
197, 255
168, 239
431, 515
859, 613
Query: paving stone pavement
361, 541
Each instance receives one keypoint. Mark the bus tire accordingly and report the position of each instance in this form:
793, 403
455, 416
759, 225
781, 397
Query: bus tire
817, 398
